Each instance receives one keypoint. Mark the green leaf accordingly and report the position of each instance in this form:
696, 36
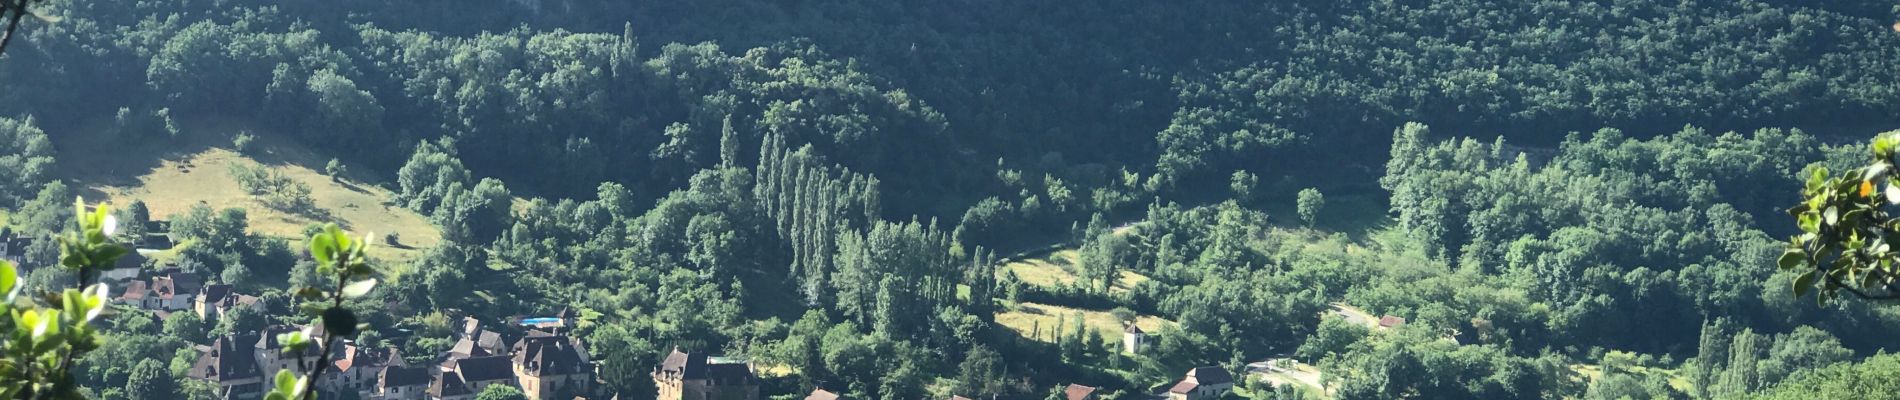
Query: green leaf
73, 302
9, 275
110, 254
286, 382
322, 248
1809, 222
1791, 259
47, 325
43, 17
79, 211
293, 339
1832, 215
359, 288
1803, 283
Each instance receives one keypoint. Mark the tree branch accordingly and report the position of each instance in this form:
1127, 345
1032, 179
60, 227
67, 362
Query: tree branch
323, 347
1890, 295
85, 276
18, 10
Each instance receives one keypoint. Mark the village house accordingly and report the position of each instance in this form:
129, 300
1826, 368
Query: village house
1389, 322
690, 376
230, 364
270, 351
213, 301
357, 368
543, 365
167, 290
449, 387
477, 373
239, 363
819, 393
397, 382
1202, 383
1133, 339
13, 248
133, 294
475, 341
547, 366
123, 270
1078, 392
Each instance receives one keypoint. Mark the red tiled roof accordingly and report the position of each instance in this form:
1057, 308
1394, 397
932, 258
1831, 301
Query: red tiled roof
821, 394
134, 290
1078, 392
1391, 321
1184, 387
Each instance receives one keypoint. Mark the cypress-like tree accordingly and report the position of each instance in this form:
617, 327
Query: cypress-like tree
728, 144
1742, 376
765, 192
1709, 357
853, 282
869, 199
889, 309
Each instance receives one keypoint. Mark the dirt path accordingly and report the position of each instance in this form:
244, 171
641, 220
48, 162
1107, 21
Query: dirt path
1296, 373
1356, 315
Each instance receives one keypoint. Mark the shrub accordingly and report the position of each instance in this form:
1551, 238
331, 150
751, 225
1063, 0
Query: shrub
242, 143
335, 169
275, 190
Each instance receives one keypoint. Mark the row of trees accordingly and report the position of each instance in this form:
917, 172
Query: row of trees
1527, 254
583, 102
1529, 70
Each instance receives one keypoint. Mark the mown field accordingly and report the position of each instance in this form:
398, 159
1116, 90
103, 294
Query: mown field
1592, 372
1059, 267
1029, 317
195, 170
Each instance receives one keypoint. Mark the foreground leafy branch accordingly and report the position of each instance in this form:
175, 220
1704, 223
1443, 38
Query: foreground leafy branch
341, 258
46, 334
1849, 236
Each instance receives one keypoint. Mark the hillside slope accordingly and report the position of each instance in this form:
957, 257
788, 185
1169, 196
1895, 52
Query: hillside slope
193, 170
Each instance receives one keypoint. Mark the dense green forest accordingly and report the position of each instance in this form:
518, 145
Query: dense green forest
899, 200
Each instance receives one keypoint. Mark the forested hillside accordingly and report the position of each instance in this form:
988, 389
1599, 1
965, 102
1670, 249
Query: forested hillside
898, 200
